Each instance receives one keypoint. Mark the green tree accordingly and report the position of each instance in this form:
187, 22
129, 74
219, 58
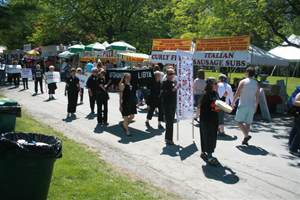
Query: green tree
269, 22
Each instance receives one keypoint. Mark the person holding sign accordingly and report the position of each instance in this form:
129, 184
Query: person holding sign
72, 89
25, 80
51, 86
127, 101
248, 91
92, 88
79, 72
168, 96
38, 77
209, 121
102, 98
154, 101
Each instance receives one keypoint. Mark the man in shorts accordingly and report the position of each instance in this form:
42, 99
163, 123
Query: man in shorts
248, 91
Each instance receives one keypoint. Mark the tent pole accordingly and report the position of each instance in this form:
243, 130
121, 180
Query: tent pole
177, 129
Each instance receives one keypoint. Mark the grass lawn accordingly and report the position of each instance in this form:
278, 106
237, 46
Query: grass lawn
292, 82
81, 174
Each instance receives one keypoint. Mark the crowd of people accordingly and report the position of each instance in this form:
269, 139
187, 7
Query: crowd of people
161, 96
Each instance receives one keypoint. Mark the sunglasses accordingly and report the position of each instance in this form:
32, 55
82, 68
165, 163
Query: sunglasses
171, 74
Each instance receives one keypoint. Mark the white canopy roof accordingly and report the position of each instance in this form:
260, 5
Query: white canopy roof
288, 52
2, 49
259, 56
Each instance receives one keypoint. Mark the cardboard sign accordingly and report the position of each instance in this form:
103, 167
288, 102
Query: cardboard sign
223, 59
240, 43
185, 97
82, 80
171, 44
13, 69
52, 77
26, 73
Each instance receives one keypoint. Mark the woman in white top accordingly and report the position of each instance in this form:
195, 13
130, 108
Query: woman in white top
199, 85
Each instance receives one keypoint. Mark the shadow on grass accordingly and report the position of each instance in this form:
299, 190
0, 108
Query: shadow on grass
220, 173
252, 150
182, 152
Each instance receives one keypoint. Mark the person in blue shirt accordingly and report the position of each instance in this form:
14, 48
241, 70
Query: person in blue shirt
292, 97
89, 66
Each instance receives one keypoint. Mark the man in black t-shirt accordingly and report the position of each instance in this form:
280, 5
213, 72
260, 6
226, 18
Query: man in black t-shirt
38, 77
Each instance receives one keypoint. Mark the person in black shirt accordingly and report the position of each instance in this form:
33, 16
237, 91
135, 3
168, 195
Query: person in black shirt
154, 101
51, 86
209, 120
168, 96
102, 98
72, 89
92, 88
127, 101
38, 77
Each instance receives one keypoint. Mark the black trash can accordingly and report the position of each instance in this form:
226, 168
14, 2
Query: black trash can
26, 164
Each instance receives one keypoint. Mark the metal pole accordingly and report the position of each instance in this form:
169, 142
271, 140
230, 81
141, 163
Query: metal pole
177, 130
193, 127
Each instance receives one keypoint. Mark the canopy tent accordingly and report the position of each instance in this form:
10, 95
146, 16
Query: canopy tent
121, 46
134, 57
2, 49
261, 57
106, 44
76, 48
288, 52
95, 47
66, 54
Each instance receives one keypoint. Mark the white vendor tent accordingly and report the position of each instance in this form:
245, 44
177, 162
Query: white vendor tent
288, 52
259, 56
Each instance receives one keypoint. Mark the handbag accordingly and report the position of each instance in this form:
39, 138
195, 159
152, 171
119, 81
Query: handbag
294, 111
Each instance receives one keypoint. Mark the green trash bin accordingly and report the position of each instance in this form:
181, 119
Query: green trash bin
9, 110
26, 164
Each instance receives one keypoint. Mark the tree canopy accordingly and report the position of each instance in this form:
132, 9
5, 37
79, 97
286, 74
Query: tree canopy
48, 22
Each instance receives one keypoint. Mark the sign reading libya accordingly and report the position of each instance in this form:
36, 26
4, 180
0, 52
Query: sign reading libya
240, 43
171, 44
138, 76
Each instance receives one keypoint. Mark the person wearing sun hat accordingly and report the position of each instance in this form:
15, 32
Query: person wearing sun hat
51, 86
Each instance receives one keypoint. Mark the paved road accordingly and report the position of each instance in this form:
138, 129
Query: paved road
264, 170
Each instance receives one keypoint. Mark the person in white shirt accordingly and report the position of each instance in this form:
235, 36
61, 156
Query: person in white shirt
248, 91
222, 87
199, 85
63, 70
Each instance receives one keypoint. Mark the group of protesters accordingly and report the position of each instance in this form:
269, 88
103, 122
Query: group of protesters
161, 96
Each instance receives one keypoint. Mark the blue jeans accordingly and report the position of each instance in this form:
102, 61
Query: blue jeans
294, 140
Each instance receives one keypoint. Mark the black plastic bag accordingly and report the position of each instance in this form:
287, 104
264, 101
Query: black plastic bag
35, 145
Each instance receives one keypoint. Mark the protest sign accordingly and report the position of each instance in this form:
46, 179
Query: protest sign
166, 57
185, 97
171, 44
223, 59
240, 43
26, 73
13, 69
82, 80
52, 77
138, 76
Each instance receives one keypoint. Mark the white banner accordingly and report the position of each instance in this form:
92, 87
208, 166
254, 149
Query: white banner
185, 97
52, 77
223, 59
13, 69
166, 57
82, 80
26, 73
